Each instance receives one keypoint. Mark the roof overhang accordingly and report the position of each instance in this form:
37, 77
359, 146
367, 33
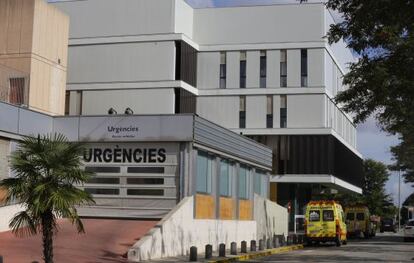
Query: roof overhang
324, 179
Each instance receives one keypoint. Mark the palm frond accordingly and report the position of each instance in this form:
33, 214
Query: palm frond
23, 224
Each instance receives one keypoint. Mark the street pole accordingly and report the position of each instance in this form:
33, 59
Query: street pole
399, 200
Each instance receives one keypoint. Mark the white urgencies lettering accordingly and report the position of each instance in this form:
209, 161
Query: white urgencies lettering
125, 155
122, 129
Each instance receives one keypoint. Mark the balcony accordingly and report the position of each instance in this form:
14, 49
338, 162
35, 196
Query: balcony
14, 86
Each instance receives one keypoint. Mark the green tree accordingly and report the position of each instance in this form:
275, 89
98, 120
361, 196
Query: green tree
47, 170
381, 82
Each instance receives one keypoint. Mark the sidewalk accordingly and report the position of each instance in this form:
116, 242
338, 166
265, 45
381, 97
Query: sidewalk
233, 258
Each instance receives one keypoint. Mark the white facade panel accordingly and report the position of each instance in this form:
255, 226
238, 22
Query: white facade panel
273, 69
256, 112
316, 67
329, 72
293, 68
184, 18
233, 70
223, 110
259, 24
252, 69
102, 18
141, 101
305, 111
208, 70
129, 62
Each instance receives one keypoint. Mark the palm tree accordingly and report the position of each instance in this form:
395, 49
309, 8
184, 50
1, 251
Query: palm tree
46, 171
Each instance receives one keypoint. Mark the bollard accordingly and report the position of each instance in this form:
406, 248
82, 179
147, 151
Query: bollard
276, 242
209, 251
243, 247
233, 248
222, 250
261, 244
193, 254
268, 243
253, 245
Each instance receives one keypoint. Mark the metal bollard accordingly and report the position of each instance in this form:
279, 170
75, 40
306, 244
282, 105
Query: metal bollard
243, 247
253, 245
222, 250
261, 244
233, 248
193, 254
209, 251
269, 243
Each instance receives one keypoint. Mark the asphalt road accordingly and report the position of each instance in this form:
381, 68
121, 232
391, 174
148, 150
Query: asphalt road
383, 248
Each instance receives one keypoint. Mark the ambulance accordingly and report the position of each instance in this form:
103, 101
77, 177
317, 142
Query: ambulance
325, 222
358, 221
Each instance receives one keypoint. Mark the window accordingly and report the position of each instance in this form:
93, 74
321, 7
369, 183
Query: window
304, 67
257, 184
145, 181
269, 114
67, 102
350, 216
146, 170
225, 178
223, 70
314, 215
95, 191
243, 182
16, 95
242, 113
204, 172
328, 215
157, 192
243, 70
263, 68
103, 180
103, 169
360, 216
283, 68
283, 111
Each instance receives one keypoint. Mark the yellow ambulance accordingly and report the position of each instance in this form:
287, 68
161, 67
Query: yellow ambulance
358, 221
325, 222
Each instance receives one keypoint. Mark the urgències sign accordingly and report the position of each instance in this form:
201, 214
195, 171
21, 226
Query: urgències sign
125, 155
122, 131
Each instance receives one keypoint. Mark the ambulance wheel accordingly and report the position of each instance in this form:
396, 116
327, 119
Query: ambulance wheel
338, 240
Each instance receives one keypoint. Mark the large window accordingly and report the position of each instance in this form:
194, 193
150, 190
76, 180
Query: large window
283, 111
269, 113
16, 95
223, 70
257, 184
205, 167
304, 67
328, 215
243, 65
225, 178
244, 185
283, 68
263, 69
242, 112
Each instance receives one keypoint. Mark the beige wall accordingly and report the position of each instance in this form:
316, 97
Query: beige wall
4, 155
34, 40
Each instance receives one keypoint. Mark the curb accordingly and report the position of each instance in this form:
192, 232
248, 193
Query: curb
253, 255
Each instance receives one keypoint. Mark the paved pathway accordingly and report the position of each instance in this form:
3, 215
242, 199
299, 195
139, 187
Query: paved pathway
105, 241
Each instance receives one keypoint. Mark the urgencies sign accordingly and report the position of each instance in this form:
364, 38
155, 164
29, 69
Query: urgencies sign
125, 155
123, 132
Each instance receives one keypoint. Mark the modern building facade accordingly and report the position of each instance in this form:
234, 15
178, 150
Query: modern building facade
266, 72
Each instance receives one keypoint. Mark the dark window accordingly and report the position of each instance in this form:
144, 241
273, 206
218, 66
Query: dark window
96, 191
103, 180
328, 215
103, 169
157, 192
146, 170
360, 216
67, 101
283, 68
185, 102
263, 69
145, 180
350, 216
16, 95
314, 215
269, 114
304, 67
223, 70
243, 74
186, 63
242, 112
283, 117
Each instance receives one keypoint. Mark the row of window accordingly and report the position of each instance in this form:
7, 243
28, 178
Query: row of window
117, 169
227, 175
131, 192
269, 112
263, 68
116, 180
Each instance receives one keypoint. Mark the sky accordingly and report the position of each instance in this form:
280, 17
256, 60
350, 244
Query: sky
372, 142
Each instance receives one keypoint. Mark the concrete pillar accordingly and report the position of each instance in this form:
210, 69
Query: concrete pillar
193, 254
243, 247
